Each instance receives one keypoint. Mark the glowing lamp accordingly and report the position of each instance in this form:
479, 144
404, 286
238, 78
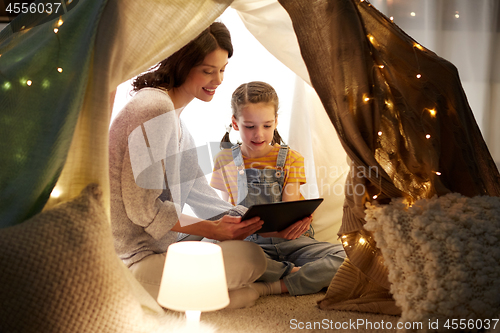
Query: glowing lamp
194, 280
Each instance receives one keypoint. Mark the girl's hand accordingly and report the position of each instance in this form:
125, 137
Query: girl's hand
231, 227
292, 232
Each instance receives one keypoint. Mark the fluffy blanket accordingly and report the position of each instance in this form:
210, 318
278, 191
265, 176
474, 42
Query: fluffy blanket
443, 257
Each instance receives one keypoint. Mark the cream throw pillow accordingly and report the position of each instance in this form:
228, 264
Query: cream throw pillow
443, 257
59, 273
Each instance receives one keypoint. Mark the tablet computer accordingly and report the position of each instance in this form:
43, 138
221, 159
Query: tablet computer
280, 215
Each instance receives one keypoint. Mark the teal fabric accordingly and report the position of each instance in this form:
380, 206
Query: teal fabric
37, 121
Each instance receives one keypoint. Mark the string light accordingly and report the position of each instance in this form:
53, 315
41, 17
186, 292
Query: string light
379, 133
44, 83
418, 46
345, 243
380, 185
366, 99
419, 76
427, 136
413, 14
457, 15
391, 18
362, 241
56, 193
432, 112
381, 66
371, 38
437, 173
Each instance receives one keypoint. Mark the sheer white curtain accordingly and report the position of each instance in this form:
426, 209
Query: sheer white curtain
467, 33
311, 132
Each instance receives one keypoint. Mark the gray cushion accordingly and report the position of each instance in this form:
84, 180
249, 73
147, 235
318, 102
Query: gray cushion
59, 273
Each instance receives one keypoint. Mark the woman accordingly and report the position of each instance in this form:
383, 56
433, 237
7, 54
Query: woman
149, 187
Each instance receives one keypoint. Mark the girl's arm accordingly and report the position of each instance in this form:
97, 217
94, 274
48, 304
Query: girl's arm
291, 192
225, 195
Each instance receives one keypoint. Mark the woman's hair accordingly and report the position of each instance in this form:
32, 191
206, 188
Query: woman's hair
173, 71
254, 92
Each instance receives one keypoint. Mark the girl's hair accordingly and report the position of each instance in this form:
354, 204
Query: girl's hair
253, 92
173, 71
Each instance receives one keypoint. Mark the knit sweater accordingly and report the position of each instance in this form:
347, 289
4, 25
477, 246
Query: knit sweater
145, 139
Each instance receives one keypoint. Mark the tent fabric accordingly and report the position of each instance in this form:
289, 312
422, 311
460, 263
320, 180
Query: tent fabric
38, 120
56, 130
467, 33
383, 92
400, 112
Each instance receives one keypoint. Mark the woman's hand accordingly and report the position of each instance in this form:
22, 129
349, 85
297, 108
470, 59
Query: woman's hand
292, 232
226, 228
231, 227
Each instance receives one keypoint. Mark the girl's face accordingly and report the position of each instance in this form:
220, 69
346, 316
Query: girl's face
203, 79
256, 124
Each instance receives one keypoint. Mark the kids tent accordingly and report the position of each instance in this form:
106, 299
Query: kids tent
399, 111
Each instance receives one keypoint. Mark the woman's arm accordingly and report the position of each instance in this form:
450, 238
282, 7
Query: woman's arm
226, 228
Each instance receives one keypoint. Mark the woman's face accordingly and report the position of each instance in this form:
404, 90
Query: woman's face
256, 123
203, 80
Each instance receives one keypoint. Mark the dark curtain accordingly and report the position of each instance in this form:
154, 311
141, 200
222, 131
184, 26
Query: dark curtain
402, 117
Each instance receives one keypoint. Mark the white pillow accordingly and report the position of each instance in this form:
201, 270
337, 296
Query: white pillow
443, 257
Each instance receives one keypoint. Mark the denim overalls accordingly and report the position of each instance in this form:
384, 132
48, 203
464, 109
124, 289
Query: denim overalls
319, 261
259, 186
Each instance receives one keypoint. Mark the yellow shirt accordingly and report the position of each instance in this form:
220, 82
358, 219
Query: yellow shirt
225, 177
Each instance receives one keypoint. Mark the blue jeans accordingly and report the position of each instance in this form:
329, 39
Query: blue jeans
319, 261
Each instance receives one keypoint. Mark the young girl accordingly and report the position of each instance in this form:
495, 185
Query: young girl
261, 171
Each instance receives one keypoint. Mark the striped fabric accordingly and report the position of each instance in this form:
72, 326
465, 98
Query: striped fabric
224, 177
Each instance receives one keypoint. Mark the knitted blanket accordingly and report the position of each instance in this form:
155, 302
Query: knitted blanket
443, 257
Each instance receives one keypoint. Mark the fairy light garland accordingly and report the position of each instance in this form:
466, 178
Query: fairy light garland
432, 112
30, 82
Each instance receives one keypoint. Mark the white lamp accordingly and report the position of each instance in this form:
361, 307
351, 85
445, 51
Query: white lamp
194, 279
